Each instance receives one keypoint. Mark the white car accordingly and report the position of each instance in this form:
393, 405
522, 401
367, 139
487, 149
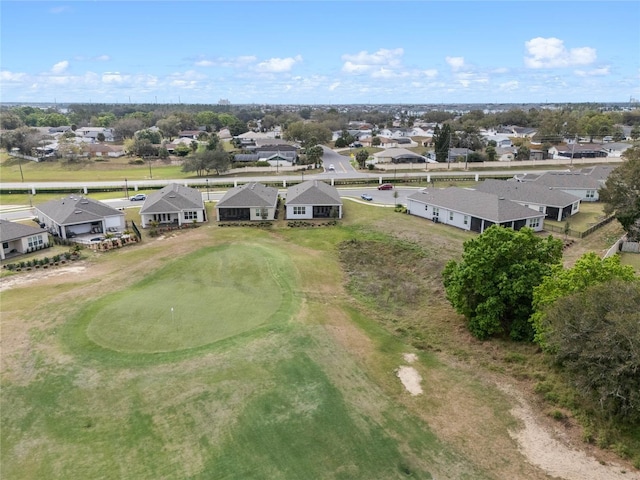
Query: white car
332, 168
138, 198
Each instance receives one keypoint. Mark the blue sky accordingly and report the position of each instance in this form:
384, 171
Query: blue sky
328, 52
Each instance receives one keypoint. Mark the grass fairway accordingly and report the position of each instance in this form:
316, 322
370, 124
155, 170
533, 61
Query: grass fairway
205, 297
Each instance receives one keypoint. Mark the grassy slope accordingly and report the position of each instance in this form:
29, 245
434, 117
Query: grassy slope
315, 397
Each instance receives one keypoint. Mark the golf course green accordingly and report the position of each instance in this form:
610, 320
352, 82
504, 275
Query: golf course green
207, 296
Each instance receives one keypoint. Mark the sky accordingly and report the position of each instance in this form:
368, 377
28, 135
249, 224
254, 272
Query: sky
325, 52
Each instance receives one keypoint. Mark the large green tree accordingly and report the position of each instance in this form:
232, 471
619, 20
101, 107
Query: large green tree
492, 286
588, 270
596, 342
621, 193
308, 134
442, 142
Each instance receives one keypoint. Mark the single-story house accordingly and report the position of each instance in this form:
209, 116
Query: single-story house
313, 199
76, 215
584, 183
398, 155
17, 238
174, 204
102, 150
251, 201
555, 204
472, 210
577, 150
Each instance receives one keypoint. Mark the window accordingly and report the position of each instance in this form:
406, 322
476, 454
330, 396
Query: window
534, 222
591, 193
5, 245
36, 241
450, 216
574, 207
258, 212
436, 212
190, 215
299, 210
466, 219
541, 209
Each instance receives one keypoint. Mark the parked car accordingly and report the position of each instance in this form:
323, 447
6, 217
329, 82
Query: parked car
332, 168
385, 186
138, 197
366, 196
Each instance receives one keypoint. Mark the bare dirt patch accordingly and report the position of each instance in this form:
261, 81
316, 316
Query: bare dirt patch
21, 279
551, 451
411, 379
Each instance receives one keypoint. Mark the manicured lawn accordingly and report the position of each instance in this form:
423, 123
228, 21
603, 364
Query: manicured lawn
205, 297
590, 213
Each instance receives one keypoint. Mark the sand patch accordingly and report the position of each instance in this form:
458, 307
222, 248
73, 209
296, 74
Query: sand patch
411, 379
19, 280
555, 457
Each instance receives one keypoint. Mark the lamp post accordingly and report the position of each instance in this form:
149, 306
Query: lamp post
126, 189
150, 174
207, 180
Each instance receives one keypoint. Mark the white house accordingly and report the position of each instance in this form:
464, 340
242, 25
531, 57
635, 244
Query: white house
174, 204
75, 215
471, 210
17, 238
313, 199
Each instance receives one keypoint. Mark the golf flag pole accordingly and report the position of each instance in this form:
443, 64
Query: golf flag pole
171, 314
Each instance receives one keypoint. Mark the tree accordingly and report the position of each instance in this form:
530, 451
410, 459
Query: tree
491, 153
442, 142
375, 142
588, 270
24, 139
153, 136
361, 157
308, 133
523, 153
595, 337
314, 154
492, 286
127, 127
10, 121
621, 193
170, 126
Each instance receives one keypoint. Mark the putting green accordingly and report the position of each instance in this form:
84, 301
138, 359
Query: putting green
207, 296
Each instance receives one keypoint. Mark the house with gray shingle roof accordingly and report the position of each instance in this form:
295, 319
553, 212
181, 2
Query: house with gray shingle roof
76, 215
472, 210
398, 155
173, 205
313, 199
555, 204
584, 183
17, 238
252, 201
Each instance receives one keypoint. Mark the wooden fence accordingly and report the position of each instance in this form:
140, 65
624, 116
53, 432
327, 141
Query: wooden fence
577, 233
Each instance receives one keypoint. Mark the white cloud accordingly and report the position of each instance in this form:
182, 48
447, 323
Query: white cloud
456, 63
60, 9
551, 52
7, 76
102, 58
204, 63
113, 77
333, 86
60, 67
431, 73
278, 65
509, 86
596, 72
364, 61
